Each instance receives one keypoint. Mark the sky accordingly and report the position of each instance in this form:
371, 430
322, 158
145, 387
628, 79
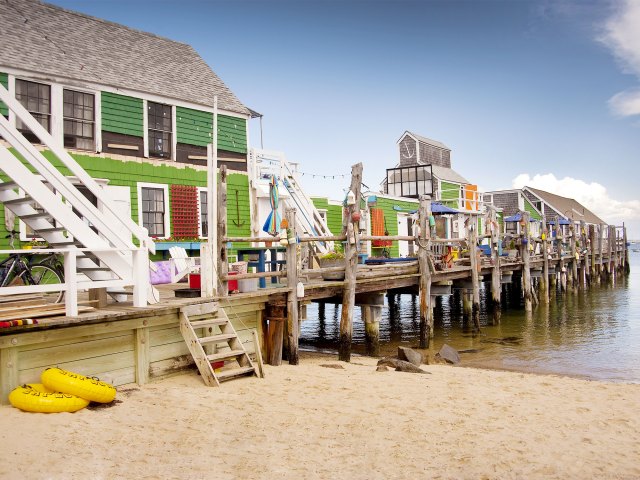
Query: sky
545, 93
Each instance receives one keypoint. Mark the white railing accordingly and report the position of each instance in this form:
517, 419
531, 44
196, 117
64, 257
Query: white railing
138, 277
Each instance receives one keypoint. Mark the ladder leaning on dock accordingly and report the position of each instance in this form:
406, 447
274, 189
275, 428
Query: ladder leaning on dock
206, 325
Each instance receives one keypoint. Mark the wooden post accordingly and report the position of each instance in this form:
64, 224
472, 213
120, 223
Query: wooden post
207, 256
544, 284
574, 253
293, 327
496, 286
351, 261
600, 249
371, 314
426, 319
526, 268
223, 265
475, 277
592, 251
583, 256
610, 267
627, 268
616, 249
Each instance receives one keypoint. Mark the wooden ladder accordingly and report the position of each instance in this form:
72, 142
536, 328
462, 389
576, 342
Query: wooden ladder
210, 338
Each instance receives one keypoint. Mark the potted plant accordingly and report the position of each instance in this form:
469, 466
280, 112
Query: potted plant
512, 252
333, 259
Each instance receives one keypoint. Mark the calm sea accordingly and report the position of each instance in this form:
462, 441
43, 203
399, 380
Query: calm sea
593, 334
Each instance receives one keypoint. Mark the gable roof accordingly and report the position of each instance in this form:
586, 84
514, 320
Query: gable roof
448, 174
46, 39
566, 207
420, 138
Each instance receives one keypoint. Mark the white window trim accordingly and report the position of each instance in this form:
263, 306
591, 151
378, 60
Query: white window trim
200, 235
167, 212
145, 125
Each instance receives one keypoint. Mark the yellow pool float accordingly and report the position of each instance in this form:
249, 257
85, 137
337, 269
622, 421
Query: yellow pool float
89, 388
35, 397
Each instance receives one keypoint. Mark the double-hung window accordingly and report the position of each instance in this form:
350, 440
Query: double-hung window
36, 98
153, 209
79, 120
159, 125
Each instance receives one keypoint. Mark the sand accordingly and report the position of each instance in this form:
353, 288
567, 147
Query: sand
311, 421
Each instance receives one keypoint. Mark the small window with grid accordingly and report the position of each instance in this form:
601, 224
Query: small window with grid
79, 120
159, 125
36, 98
153, 211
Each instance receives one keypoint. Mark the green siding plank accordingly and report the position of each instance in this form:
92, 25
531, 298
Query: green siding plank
4, 80
531, 209
232, 134
194, 127
122, 114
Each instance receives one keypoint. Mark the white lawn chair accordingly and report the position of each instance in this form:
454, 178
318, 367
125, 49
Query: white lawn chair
182, 264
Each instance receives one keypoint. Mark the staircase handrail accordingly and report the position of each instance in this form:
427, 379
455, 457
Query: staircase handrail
75, 168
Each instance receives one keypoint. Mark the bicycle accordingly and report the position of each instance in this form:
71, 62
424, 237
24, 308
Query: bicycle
20, 267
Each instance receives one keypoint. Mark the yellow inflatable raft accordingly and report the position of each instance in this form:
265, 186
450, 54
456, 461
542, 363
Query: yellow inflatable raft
36, 397
75, 384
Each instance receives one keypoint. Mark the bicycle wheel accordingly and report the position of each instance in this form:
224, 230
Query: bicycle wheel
45, 275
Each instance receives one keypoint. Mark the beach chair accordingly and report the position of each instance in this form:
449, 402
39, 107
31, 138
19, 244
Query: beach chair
182, 264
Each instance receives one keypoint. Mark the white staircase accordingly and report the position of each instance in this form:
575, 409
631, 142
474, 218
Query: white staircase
45, 200
309, 221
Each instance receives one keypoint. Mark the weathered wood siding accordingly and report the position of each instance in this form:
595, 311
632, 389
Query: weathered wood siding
111, 350
431, 155
408, 151
507, 201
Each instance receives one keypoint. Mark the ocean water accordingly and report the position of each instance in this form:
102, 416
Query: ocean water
592, 334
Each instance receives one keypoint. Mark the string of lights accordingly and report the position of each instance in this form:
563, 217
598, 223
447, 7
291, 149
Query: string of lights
317, 175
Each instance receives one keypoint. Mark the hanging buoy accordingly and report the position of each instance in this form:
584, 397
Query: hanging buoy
283, 238
351, 198
300, 290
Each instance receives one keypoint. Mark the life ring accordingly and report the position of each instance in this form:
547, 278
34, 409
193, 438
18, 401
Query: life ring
89, 388
36, 397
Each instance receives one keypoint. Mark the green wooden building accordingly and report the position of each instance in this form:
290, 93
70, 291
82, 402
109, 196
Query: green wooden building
134, 109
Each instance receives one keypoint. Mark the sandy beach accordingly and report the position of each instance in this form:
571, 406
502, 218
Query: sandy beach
311, 421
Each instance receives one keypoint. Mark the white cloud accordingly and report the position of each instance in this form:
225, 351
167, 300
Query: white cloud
622, 35
592, 195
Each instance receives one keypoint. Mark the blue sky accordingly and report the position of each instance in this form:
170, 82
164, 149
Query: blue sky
538, 93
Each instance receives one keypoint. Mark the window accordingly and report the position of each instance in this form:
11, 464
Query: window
36, 98
79, 120
204, 220
409, 181
159, 124
152, 203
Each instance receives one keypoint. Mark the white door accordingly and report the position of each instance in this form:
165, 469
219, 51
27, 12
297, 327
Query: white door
121, 196
403, 230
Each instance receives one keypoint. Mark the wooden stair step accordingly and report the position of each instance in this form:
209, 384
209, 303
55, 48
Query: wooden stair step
226, 354
235, 372
208, 323
223, 337
18, 201
51, 230
8, 185
33, 216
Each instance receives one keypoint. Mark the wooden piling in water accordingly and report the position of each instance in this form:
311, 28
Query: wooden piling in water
496, 286
592, 254
582, 272
222, 259
426, 310
293, 320
351, 260
475, 270
544, 284
610, 262
627, 267
574, 254
526, 267
600, 252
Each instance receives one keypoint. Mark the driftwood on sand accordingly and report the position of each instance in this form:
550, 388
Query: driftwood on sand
400, 365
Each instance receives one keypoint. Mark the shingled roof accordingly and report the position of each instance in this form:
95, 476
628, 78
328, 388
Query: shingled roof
49, 40
567, 207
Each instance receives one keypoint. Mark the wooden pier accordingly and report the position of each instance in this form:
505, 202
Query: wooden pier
125, 344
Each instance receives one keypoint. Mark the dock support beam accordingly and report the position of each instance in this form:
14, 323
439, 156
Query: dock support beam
223, 265
426, 310
627, 269
600, 251
496, 286
573, 238
475, 276
371, 315
526, 268
350, 228
293, 325
544, 284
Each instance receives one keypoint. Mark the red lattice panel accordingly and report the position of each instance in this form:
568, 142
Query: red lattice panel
184, 211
